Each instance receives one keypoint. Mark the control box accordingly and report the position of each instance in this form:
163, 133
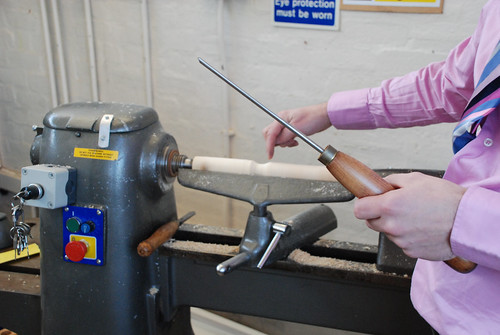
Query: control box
84, 234
57, 183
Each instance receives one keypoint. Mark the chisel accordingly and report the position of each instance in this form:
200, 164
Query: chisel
359, 179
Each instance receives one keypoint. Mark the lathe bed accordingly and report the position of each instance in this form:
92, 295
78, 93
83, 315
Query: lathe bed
331, 284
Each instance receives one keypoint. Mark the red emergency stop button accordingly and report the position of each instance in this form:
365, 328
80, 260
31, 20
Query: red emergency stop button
76, 250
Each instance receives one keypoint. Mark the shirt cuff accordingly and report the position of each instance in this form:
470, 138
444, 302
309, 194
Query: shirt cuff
349, 110
476, 230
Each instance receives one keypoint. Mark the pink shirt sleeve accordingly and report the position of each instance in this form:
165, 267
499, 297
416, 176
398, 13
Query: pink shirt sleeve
436, 93
478, 242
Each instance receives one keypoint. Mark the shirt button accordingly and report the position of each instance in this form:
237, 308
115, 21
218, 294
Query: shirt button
488, 142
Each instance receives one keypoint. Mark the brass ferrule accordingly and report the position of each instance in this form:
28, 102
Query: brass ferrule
327, 155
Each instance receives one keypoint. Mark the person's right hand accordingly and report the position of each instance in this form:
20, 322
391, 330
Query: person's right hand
418, 215
309, 120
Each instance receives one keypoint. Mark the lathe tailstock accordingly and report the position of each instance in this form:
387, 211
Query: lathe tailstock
104, 176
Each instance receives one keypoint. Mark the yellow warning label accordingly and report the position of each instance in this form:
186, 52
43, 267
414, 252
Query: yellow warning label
109, 155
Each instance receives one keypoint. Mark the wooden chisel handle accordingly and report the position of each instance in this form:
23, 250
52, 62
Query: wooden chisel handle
359, 179
160, 236
362, 181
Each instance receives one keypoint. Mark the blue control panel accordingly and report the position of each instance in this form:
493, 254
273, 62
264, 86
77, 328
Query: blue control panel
84, 234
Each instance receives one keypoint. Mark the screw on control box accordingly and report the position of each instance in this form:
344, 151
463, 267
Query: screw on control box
57, 182
84, 234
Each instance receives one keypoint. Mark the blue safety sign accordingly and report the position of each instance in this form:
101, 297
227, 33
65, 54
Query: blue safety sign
307, 13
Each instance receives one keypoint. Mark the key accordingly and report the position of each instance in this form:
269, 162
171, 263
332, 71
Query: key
19, 234
16, 235
17, 213
20, 230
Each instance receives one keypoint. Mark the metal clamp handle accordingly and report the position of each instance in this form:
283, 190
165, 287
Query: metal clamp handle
279, 229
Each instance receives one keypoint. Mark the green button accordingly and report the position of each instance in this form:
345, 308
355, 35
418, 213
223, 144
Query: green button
73, 224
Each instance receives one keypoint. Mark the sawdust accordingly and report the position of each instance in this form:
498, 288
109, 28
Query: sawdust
203, 247
302, 257
297, 256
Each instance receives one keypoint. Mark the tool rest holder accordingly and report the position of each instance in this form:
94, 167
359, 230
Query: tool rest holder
261, 192
264, 191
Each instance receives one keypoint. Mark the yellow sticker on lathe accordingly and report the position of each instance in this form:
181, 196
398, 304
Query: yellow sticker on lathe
11, 255
108, 155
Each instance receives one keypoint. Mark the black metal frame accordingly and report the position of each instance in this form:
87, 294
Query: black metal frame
355, 300
372, 302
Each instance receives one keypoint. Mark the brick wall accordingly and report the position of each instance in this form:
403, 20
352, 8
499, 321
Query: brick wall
282, 67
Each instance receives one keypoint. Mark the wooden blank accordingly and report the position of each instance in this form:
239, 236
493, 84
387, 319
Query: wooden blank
271, 169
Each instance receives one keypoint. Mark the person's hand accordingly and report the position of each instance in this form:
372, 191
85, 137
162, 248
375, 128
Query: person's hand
418, 216
309, 120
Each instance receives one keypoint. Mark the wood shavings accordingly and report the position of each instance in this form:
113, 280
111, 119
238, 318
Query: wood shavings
302, 257
203, 247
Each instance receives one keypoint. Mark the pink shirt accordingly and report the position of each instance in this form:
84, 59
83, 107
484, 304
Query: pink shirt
451, 302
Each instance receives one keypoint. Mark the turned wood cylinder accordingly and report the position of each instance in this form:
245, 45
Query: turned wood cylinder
271, 169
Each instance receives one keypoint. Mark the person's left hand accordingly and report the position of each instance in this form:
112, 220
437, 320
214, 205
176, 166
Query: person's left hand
309, 120
418, 216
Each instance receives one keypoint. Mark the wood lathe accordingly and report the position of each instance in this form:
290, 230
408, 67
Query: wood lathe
107, 173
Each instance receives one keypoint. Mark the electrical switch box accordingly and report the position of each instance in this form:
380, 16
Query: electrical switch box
58, 184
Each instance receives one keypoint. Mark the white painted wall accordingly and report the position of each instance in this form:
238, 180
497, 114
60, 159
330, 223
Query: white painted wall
282, 67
